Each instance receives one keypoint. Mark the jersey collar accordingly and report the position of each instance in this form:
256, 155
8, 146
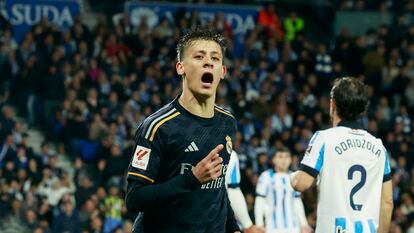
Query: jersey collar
357, 124
181, 109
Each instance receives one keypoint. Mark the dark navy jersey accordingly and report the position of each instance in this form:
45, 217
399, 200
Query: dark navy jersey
168, 144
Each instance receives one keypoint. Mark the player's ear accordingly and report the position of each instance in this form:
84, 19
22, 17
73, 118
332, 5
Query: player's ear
180, 68
333, 104
223, 72
332, 107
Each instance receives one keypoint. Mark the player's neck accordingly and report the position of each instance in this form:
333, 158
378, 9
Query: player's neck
335, 120
279, 170
197, 106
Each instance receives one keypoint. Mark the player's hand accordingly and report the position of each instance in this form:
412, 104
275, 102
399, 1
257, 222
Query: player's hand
306, 229
254, 229
210, 167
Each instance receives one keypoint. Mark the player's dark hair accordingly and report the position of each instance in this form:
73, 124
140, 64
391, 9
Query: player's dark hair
282, 150
350, 96
199, 33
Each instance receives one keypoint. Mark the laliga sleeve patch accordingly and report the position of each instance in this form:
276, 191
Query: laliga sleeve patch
141, 157
308, 150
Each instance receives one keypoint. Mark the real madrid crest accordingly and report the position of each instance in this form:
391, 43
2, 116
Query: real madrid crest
229, 144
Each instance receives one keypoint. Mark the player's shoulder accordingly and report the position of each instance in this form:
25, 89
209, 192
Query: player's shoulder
331, 133
166, 111
267, 174
233, 153
153, 122
233, 156
378, 141
225, 113
346, 130
317, 136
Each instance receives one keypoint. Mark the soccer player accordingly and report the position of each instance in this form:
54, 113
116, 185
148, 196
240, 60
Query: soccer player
277, 205
176, 174
238, 203
355, 190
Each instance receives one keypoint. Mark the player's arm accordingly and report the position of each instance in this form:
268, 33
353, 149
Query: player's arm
387, 204
301, 180
311, 164
140, 196
237, 201
143, 192
260, 202
300, 213
259, 210
386, 207
231, 223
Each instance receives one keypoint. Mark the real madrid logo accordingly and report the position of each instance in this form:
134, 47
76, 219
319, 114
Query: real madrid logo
229, 145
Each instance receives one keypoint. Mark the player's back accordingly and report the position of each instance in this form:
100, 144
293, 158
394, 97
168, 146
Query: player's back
351, 164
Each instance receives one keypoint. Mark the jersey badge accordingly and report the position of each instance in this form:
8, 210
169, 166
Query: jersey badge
308, 150
141, 157
229, 144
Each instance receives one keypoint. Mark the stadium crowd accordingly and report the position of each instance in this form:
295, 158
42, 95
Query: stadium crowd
88, 89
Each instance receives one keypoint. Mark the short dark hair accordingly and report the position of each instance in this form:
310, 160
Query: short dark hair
199, 33
282, 150
350, 96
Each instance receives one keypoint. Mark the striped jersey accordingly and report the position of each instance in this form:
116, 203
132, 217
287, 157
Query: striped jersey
280, 213
233, 171
352, 165
168, 144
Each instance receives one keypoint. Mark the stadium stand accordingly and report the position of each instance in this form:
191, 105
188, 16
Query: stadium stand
86, 89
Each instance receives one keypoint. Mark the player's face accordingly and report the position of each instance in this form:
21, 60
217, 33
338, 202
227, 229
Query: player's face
202, 68
282, 161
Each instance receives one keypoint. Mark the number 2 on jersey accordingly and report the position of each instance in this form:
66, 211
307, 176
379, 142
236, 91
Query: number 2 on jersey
358, 186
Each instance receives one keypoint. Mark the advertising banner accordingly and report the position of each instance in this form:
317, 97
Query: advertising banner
23, 14
241, 18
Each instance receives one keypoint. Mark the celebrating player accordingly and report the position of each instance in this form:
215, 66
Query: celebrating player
176, 174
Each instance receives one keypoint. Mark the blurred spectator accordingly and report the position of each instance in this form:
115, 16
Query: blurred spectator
68, 217
270, 21
113, 206
293, 25
323, 66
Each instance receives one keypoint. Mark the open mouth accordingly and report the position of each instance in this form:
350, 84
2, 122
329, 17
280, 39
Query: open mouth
207, 78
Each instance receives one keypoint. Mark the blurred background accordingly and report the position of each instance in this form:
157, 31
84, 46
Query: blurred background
77, 77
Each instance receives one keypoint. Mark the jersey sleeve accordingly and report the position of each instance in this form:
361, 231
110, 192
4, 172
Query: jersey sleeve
233, 171
262, 187
387, 169
146, 157
312, 161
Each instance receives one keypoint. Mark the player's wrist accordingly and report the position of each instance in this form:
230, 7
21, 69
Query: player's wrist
194, 181
195, 175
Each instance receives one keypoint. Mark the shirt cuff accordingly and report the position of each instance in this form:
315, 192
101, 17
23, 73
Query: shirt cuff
386, 178
311, 171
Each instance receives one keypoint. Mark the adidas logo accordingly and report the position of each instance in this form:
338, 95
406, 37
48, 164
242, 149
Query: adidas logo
192, 147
